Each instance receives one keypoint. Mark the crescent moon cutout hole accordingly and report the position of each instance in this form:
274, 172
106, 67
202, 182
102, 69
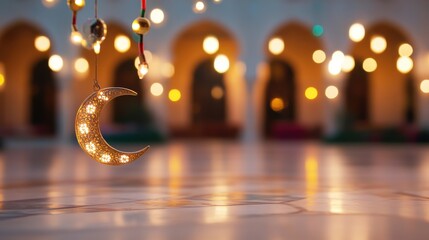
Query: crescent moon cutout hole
88, 132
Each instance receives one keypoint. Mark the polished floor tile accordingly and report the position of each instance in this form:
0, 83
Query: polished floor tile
218, 190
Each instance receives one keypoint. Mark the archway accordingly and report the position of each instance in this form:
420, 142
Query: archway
43, 99
280, 101
357, 96
389, 90
208, 100
291, 71
196, 79
26, 110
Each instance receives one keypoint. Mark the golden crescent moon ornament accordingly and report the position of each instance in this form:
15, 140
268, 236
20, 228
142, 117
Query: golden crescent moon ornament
88, 132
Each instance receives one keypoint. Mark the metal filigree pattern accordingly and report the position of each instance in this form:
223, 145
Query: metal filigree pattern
88, 132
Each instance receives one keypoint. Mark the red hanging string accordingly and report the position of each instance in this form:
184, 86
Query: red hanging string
144, 5
141, 44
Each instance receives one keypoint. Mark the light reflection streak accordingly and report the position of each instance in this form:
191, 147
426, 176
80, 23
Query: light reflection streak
335, 202
311, 178
175, 170
216, 214
157, 217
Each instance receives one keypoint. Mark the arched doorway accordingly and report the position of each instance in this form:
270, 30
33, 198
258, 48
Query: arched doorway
280, 101
208, 100
390, 92
357, 96
29, 94
285, 110
129, 109
410, 106
42, 99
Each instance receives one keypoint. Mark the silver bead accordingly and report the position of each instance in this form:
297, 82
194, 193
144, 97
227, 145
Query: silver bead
93, 30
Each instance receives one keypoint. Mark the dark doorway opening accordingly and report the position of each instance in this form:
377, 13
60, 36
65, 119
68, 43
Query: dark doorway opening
357, 97
133, 120
43, 99
129, 110
280, 102
209, 103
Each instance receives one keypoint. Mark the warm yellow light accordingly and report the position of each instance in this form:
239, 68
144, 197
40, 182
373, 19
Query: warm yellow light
424, 86
135, 26
49, 3
148, 55
319, 56
102, 96
174, 95
90, 109
122, 43
76, 38
97, 47
124, 159
334, 67
277, 104
90, 147
199, 7
167, 70
217, 92
157, 16
142, 70
42, 43
331, 92
217, 1
2, 81
2, 77
404, 64
156, 89
348, 64
311, 93
336, 63
83, 128
405, 50
357, 32
105, 158
276, 46
55, 63
378, 44
338, 56
81, 65
369, 65
210, 44
221, 63
137, 62
80, 3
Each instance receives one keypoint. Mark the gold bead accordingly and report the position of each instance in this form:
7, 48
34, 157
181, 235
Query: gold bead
141, 25
76, 5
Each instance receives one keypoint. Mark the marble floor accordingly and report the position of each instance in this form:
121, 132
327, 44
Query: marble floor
218, 190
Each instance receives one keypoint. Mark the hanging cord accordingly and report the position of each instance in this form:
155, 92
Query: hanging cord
141, 42
74, 24
96, 85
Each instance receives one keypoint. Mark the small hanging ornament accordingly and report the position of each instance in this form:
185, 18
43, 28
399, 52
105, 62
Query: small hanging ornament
75, 6
87, 121
141, 26
94, 32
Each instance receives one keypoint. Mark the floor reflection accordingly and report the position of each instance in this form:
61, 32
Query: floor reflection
344, 192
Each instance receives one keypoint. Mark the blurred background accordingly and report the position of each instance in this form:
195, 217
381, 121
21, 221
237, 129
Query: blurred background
336, 70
